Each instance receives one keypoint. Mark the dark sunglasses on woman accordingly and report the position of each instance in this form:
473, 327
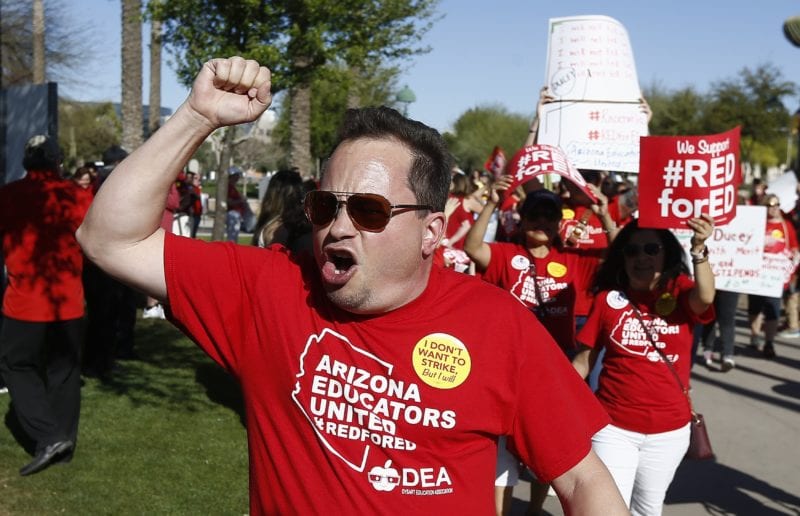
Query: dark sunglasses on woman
650, 249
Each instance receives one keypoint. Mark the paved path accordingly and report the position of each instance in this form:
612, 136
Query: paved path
753, 418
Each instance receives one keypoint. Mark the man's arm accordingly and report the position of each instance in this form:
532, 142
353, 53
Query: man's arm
588, 488
121, 231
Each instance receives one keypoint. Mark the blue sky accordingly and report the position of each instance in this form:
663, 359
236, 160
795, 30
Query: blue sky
495, 52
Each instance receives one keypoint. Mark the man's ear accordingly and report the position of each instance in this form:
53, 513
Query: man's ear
435, 225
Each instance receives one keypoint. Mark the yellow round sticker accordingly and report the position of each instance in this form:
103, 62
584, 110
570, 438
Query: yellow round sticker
567, 213
556, 270
441, 361
666, 304
777, 234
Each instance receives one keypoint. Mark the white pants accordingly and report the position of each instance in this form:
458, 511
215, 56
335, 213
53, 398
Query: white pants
642, 465
507, 470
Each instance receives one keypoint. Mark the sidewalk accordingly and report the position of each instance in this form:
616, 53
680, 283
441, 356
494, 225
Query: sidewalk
753, 418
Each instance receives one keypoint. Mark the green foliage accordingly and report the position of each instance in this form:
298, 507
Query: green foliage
331, 88
754, 100
164, 436
86, 130
478, 130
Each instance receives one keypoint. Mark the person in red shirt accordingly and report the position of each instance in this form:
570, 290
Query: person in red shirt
43, 305
543, 275
644, 315
371, 380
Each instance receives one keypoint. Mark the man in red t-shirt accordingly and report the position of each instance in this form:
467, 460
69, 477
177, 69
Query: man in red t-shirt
373, 382
43, 310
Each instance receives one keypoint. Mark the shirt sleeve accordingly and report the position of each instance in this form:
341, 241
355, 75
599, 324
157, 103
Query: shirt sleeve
211, 291
557, 413
589, 335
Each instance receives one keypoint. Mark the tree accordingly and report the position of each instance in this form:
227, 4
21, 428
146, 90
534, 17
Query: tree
67, 43
131, 74
86, 130
479, 129
38, 41
331, 95
294, 38
677, 113
753, 100
154, 114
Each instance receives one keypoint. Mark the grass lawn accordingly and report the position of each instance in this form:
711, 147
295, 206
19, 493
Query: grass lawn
164, 436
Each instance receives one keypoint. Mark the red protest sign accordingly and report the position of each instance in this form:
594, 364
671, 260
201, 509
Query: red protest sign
496, 163
535, 160
681, 177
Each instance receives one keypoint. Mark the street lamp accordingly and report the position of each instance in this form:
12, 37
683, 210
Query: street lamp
405, 97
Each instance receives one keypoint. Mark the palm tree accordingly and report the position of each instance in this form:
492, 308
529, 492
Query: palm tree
131, 74
38, 42
154, 115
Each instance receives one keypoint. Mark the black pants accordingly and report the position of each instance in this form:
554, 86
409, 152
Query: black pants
112, 317
40, 362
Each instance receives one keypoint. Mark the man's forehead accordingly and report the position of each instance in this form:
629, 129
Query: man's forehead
369, 157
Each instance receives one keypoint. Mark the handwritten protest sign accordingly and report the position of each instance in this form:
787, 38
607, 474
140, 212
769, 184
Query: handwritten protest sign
737, 258
595, 135
597, 117
684, 176
590, 58
537, 160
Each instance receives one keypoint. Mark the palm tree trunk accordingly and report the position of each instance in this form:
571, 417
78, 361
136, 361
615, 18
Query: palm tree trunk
131, 74
154, 114
300, 153
221, 203
38, 42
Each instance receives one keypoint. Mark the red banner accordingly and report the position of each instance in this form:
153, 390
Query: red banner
496, 163
535, 160
681, 177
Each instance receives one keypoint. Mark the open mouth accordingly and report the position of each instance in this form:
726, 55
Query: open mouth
339, 267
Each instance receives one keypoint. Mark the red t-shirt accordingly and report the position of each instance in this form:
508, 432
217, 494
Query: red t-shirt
559, 277
39, 215
637, 389
392, 413
779, 236
454, 222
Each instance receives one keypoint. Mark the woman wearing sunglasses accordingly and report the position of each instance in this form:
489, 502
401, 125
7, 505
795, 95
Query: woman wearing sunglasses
646, 298
542, 274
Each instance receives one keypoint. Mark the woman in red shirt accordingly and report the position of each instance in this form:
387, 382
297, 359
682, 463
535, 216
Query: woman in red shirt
643, 315
542, 274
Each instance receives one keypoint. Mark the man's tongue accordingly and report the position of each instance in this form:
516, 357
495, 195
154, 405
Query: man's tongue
338, 270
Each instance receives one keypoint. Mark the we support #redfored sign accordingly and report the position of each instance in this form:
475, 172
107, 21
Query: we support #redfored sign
681, 177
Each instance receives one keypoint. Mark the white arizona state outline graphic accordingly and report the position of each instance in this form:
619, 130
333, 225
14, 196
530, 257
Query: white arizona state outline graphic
313, 339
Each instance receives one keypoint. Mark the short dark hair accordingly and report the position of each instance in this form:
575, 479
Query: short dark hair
612, 276
429, 177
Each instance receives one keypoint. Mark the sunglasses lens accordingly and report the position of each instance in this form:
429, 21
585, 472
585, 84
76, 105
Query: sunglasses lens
320, 207
370, 211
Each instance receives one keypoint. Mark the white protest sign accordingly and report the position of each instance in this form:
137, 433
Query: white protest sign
785, 187
737, 258
590, 58
597, 118
595, 135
